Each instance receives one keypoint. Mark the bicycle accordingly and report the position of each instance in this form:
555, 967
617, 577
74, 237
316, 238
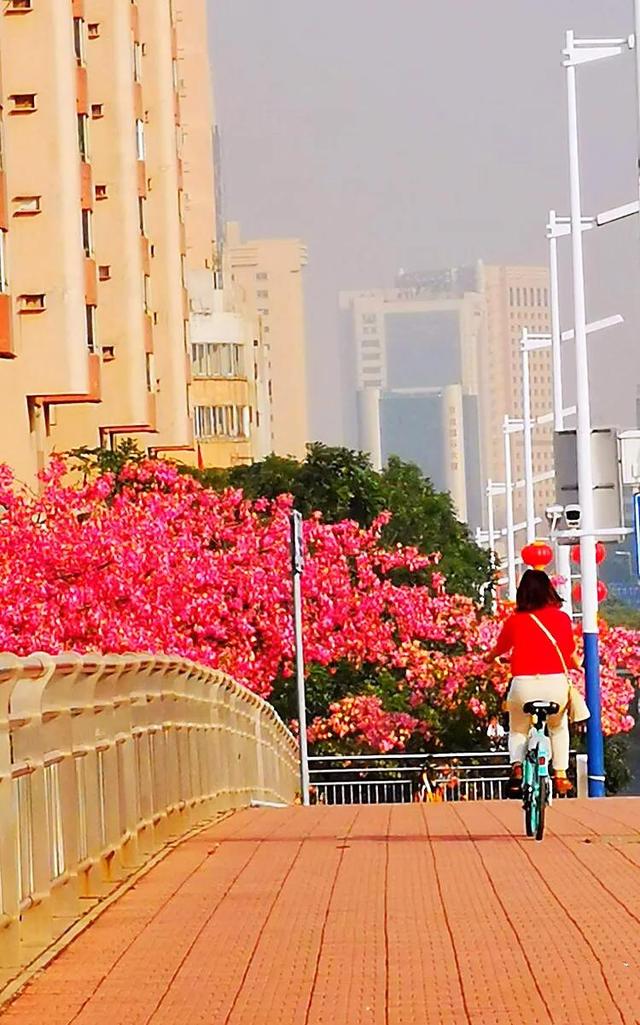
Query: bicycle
536, 782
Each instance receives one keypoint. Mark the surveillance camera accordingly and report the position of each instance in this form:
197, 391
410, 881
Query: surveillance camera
573, 516
553, 514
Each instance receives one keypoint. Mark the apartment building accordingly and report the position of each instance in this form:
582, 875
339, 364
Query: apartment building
109, 256
229, 398
266, 278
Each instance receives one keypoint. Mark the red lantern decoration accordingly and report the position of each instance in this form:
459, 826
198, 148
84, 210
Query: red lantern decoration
537, 555
603, 592
601, 553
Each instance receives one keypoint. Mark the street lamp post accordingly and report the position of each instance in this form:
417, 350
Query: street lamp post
563, 559
636, 19
579, 53
507, 427
527, 427
297, 568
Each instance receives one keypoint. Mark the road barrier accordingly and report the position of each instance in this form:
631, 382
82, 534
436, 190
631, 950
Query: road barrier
395, 778
103, 760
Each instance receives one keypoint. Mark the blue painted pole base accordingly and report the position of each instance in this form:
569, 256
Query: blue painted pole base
595, 739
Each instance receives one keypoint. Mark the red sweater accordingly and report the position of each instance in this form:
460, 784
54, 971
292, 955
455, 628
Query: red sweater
532, 653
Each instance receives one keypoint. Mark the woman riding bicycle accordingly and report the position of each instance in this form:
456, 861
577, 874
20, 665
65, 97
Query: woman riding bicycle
540, 638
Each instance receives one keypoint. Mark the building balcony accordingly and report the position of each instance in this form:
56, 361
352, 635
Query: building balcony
93, 394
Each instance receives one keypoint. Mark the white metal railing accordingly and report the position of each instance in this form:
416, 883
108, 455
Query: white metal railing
395, 778
104, 759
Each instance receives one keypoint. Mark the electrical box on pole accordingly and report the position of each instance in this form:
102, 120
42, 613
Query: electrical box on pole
607, 487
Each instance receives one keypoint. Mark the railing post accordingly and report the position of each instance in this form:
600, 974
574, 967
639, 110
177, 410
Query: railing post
106, 697
62, 793
27, 735
142, 696
582, 775
128, 800
9, 883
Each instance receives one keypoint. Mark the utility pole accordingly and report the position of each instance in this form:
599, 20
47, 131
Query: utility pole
297, 566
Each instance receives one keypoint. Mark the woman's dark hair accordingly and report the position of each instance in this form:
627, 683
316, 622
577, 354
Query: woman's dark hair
535, 591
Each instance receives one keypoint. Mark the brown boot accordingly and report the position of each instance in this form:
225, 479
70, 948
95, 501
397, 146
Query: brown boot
514, 788
562, 784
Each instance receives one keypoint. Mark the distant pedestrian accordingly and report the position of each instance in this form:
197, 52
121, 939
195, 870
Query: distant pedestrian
496, 734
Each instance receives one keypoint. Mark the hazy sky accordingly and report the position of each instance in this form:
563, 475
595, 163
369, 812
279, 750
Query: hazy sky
422, 134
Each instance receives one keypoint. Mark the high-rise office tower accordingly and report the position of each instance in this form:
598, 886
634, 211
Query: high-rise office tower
516, 298
417, 381
438, 366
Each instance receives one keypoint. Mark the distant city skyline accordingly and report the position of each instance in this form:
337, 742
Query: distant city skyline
441, 141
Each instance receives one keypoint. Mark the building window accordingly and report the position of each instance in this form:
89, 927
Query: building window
93, 30
146, 288
213, 359
24, 103
26, 206
221, 422
32, 303
150, 372
92, 345
19, 6
261, 294
78, 41
261, 276
142, 220
369, 318
83, 137
97, 111
102, 192
87, 232
140, 148
104, 272
4, 284
137, 62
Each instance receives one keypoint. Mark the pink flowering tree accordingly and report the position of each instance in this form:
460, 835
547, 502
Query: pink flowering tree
153, 561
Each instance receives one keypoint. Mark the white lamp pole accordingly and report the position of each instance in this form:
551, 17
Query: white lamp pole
591, 50
527, 427
636, 19
563, 556
508, 485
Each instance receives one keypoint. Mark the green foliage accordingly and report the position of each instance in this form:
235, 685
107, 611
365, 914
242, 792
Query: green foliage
616, 759
616, 763
91, 461
342, 484
617, 613
425, 518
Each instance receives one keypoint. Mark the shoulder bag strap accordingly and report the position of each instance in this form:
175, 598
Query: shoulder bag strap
555, 644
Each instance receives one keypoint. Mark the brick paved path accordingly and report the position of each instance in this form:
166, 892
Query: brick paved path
401, 915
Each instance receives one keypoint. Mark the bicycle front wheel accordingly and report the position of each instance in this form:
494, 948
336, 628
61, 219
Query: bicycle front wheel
543, 797
530, 795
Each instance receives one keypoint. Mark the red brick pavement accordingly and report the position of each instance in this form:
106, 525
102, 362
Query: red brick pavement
402, 915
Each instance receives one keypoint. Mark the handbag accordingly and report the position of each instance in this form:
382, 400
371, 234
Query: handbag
577, 708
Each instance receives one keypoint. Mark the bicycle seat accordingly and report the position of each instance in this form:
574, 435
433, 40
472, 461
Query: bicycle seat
550, 707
